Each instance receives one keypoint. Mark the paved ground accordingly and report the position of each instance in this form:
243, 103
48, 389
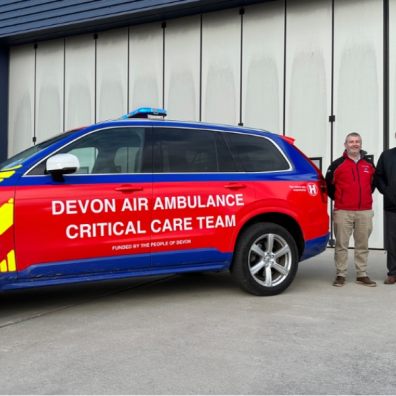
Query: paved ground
202, 335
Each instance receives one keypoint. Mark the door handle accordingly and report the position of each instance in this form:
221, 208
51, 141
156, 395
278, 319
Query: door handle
129, 188
235, 186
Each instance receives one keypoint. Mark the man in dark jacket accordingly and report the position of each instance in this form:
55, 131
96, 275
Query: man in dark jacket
350, 184
385, 180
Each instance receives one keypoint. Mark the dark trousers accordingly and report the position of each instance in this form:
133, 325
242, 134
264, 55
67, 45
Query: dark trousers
390, 241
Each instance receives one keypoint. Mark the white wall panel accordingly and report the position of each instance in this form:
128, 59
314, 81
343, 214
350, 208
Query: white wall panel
221, 38
262, 79
182, 68
79, 81
358, 82
112, 74
21, 99
49, 89
146, 66
308, 76
392, 73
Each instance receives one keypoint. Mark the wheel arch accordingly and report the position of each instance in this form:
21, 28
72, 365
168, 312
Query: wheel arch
282, 219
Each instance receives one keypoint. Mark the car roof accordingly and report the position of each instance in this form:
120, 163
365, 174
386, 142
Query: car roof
179, 124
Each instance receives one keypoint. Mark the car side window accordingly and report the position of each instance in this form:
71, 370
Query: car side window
87, 157
106, 151
184, 151
255, 153
227, 162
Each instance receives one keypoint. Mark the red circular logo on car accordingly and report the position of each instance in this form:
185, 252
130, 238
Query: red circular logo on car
312, 189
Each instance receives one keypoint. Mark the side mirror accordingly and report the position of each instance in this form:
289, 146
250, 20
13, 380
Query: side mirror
62, 164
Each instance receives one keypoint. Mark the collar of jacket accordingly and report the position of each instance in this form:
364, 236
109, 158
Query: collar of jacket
362, 154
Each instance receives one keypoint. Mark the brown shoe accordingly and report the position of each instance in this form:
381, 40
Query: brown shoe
390, 280
339, 281
365, 281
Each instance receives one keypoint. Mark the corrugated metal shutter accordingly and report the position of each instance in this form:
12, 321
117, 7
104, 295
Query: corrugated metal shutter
29, 20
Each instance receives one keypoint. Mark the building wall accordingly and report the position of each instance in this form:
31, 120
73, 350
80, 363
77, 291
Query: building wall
281, 67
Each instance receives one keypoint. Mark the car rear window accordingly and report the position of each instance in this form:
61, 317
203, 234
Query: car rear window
255, 153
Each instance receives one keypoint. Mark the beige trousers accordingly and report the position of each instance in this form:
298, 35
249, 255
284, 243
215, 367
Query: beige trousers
360, 223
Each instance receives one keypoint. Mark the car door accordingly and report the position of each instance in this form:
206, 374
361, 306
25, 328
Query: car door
94, 221
198, 201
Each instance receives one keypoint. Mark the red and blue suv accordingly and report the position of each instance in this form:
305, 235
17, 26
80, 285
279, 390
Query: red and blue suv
141, 196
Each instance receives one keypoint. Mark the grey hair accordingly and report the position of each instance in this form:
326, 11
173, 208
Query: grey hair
353, 134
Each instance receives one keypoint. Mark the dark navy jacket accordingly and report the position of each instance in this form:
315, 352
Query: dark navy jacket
385, 178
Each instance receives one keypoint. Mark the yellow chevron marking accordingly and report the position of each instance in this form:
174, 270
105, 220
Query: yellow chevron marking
3, 266
11, 267
6, 216
11, 261
6, 174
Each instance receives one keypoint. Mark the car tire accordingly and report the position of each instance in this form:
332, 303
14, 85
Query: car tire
265, 259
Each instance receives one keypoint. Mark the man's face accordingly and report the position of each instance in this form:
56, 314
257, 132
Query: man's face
353, 145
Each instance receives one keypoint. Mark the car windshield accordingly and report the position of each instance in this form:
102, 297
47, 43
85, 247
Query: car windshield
25, 154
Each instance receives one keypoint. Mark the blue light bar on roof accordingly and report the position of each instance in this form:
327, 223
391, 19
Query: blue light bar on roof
146, 112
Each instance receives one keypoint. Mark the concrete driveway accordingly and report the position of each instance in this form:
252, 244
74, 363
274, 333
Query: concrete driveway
199, 334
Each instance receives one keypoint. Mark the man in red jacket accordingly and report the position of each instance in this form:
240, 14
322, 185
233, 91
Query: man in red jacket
350, 183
